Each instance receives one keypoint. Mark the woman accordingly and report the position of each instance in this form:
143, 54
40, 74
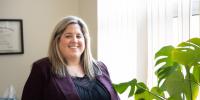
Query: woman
69, 72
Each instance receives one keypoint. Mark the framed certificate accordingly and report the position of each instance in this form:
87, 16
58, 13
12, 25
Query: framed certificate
11, 36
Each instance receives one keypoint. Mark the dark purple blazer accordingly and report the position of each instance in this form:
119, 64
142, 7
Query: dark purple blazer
43, 85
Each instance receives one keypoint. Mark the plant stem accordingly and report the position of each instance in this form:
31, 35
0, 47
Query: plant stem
188, 72
194, 82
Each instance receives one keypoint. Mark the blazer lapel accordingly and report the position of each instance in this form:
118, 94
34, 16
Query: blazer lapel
67, 87
108, 85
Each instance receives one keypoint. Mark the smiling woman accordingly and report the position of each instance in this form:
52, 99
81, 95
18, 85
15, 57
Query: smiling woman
72, 43
69, 72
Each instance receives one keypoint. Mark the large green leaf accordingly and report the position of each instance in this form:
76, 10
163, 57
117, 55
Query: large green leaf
132, 83
195, 41
164, 56
121, 87
177, 86
143, 93
141, 87
165, 71
187, 53
142, 96
174, 84
155, 94
158, 92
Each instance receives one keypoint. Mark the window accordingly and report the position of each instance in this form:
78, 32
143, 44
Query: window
121, 39
117, 38
130, 32
169, 23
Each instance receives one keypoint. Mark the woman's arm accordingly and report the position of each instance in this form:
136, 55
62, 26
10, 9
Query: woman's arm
33, 89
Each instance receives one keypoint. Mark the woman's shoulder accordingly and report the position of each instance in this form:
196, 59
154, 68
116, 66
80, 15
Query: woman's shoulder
103, 69
42, 63
101, 66
42, 66
42, 60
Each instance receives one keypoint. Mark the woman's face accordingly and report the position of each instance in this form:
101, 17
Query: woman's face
72, 42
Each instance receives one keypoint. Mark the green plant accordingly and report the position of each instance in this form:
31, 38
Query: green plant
178, 73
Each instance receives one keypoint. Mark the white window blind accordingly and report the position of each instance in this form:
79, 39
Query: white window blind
169, 23
117, 38
122, 39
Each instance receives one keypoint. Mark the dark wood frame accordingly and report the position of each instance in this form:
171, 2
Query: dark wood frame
20, 40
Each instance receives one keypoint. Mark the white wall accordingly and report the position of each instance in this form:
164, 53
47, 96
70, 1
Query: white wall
39, 18
88, 11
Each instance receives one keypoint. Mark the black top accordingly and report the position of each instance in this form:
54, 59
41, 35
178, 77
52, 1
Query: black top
90, 89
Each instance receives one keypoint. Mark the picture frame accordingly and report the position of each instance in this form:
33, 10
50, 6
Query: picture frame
11, 36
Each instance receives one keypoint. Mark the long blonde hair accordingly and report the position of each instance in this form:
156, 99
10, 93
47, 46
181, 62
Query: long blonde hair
55, 57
